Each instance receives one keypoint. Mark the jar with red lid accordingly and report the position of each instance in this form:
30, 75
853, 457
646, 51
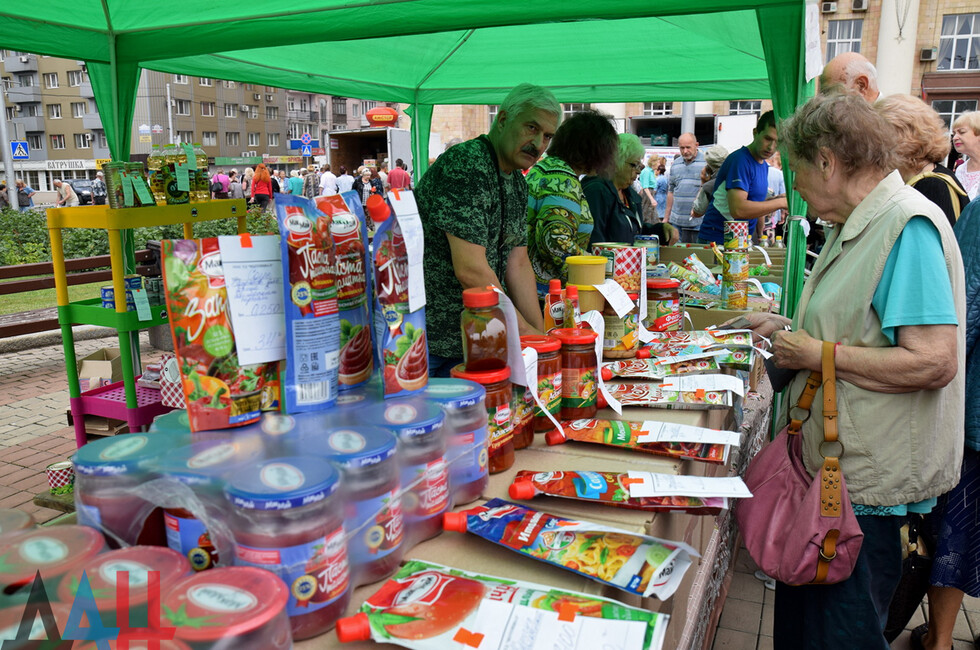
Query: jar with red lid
522, 410
230, 607
139, 561
500, 428
579, 377
621, 336
52, 551
484, 330
287, 518
549, 378
663, 305
368, 460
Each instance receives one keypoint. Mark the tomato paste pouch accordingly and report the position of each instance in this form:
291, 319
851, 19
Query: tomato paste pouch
609, 488
400, 333
349, 233
310, 291
632, 435
218, 391
427, 606
638, 564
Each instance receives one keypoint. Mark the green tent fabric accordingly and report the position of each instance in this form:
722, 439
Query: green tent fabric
427, 52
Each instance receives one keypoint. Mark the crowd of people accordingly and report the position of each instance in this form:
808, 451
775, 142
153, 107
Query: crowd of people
894, 288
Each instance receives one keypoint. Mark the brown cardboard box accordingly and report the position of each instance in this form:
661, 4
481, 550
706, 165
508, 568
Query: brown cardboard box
100, 368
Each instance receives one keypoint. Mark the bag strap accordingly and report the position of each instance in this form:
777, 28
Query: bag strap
805, 402
954, 190
831, 477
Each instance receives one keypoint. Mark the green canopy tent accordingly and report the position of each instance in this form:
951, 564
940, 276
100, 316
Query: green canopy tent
427, 52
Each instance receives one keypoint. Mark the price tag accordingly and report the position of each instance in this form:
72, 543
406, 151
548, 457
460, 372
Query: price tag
142, 304
643, 286
649, 484
127, 186
594, 319
183, 177
672, 432
407, 214
191, 156
616, 296
142, 191
694, 383
514, 359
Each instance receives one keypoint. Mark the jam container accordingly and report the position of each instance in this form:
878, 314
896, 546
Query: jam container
500, 430
230, 607
549, 378
464, 403
652, 244
586, 269
106, 471
522, 409
287, 518
366, 456
663, 305
484, 330
166, 644
579, 380
418, 424
621, 336
202, 466
10, 618
139, 561
53, 550
589, 298
14, 520
172, 422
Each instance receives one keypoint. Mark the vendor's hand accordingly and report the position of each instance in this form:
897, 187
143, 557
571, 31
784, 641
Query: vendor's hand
763, 324
796, 350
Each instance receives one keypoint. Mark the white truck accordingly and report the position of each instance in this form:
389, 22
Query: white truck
351, 149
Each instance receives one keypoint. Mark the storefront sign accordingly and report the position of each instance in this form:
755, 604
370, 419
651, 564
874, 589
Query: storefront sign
281, 160
59, 165
334, 143
237, 160
101, 161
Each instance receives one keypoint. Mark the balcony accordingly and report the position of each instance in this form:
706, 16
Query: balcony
303, 116
28, 123
91, 121
20, 63
85, 90
24, 94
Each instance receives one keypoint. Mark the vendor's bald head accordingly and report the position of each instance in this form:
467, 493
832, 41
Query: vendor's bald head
850, 72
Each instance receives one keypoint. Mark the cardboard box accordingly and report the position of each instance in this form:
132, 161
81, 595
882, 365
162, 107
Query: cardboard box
705, 318
100, 368
101, 426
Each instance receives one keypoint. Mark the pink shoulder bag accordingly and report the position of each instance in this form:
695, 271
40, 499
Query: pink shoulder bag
801, 530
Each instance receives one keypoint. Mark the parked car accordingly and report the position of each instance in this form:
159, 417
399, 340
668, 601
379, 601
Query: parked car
83, 188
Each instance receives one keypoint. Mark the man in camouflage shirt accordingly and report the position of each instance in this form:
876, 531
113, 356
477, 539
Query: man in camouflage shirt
473, 205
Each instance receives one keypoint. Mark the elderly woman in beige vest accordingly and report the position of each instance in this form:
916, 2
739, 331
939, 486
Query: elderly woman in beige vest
888, 289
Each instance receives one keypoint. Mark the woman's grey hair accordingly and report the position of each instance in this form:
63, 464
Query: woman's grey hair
528, 96
629, 147
847, 126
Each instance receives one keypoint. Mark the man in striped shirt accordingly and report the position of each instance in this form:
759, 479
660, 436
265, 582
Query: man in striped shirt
683, 186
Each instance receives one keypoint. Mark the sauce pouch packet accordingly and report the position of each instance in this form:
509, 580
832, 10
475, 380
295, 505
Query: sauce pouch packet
651, 369
655, 396
219, 392
608, 488
349, 232
628, 435
637, 564
400, 339
426, 606
310, 294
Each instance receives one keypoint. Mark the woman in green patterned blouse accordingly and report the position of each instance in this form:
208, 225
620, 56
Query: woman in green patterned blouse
558, 218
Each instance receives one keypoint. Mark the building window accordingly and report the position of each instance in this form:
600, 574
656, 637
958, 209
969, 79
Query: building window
207, 109
78, 109
253, 139
75, 78
843, 36
29, 80
254, 114
232, 138
33, 110
205, 81
186, 137
951, 109
569, 109
228, 84
270, 89
83, 140
231, 110
368, 106
54, 111
273, 140
745, 108
3, 55
182, 79
304, 105
183, 107
339, 106
658, 108
355, 109
272, 112
57, 142
290, 104
492, 111
294, 131
323, 110
10, 113
959, 46
34, 141
103, 141
50, 80
209, 138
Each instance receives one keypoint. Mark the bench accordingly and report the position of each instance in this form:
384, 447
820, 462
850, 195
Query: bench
82, 270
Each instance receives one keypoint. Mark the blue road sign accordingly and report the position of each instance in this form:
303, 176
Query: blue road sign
20, 149
306, 138
299, 144
306, 150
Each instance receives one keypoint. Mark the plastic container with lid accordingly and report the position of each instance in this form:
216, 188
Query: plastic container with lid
500, 428
230, 607
621, 336
484, 330
586, 269
652, 244
11, 616
367, 458
549, 378
139, 561
287, 518
579, 380
589, 298
172, 422
14, 520
202, 466
419, 425
464, 403
106, 471
663, 305
53, 551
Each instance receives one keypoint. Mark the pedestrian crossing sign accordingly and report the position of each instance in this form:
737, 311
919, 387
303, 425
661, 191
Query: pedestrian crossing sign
20, 150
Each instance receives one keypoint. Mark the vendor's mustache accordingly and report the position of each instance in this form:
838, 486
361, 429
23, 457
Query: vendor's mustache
532, 151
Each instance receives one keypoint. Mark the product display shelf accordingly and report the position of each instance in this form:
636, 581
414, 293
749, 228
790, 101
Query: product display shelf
125, 400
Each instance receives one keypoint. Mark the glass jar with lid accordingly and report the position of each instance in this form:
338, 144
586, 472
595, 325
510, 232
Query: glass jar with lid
579, 376
484, 331
500, 428
549, 379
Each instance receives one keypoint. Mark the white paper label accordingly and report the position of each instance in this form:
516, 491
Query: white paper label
616, 296
692, 383
531, 372
674, 432
594, 319
649, 484
407, 215
514, 359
